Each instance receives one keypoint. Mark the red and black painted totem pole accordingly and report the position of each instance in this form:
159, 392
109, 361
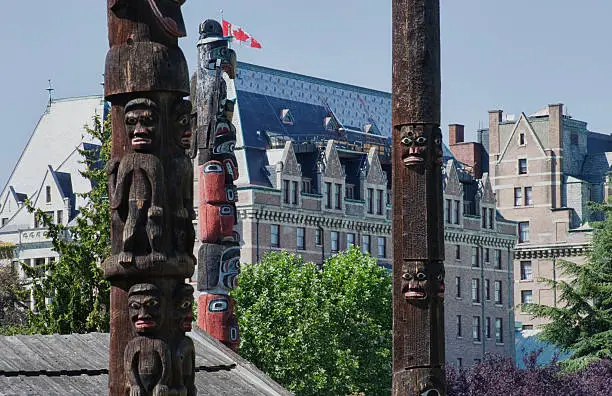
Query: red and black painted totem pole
418, 233
151, 197
215, 139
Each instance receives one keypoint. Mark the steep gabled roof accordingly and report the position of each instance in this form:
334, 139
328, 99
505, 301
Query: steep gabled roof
523, 120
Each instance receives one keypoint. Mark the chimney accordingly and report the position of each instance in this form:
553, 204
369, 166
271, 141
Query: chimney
455, 133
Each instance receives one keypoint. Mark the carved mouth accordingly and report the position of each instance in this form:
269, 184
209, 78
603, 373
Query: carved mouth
141, 141
187, 323
440, 292
413, 160
414, 293
145, 324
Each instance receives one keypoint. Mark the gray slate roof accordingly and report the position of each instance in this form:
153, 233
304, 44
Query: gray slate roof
77, 364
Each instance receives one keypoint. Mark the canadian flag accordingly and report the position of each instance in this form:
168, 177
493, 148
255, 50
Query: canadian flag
231, 30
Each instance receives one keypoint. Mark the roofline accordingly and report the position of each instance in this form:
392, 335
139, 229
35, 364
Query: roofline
284, 73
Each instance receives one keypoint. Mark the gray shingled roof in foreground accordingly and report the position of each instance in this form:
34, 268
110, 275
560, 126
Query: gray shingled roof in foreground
77, 364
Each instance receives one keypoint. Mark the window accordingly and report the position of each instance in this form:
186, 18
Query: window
526, 297
275, 235
369, 199
350, 239
476, 328
449, 210
334, 241
327, 194
457, 252
491, 218
349, 191
48, 194
379, 202
487, 290
457, 212
458, 286
306, 186
459, 363
300, 238
499, 330
459, 333
524, 231
522, 138
475, 261
526, 270
286, 192
382, 244
50, 216
365, 244
475, 290
318, 237
486, 255
518, 196
4, 221
338, 196
574, 139
60, 217
528, 196
294, 187
522, 166
487, 328
483, 218
498, 259
498, 292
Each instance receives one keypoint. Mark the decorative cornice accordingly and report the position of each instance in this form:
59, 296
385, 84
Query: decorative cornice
549, 252
476, 238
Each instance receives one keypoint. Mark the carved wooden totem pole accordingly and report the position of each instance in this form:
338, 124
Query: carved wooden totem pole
215, 139
418, 234
151, 197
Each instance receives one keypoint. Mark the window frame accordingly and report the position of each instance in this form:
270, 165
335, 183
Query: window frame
522, 166
275, 231
335, 241
302, 237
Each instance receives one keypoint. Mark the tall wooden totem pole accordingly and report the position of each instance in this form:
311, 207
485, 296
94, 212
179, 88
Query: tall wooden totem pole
418, 234
151, 197
215, 139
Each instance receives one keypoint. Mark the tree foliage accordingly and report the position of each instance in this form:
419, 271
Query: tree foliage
71, 295
13, 297
498, 375
318, 331
582, 323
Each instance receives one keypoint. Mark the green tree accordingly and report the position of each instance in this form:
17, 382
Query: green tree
318, 331
71, 295
13, 295
582, 322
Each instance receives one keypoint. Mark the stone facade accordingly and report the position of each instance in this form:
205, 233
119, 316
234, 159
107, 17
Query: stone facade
545, 168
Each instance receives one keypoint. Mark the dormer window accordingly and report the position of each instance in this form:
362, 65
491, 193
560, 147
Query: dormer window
522, 138
48, 194
286, 117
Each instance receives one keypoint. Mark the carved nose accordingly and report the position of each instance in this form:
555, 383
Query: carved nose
413, 150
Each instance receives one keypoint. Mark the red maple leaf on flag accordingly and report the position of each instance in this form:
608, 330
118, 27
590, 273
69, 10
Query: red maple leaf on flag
240, 35
255, 43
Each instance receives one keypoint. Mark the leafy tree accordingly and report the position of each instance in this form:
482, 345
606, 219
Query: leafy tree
582, 323
318, 331
71, 295
13, 296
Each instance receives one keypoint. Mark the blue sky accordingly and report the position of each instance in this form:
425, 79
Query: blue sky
515, 55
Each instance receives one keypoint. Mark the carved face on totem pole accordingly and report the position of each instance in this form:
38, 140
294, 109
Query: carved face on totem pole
142, 124
229, 268
422, 281
183, 303
145, 308
182, 123
421, 145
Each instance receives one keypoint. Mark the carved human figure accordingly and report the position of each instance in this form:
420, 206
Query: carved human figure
421, 145
138, 187
184, 351
146, 357
422, 281
181, 181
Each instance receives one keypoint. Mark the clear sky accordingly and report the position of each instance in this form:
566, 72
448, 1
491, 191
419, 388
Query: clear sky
517, 55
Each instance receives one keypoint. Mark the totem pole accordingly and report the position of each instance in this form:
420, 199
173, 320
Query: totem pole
151, 199
418, 234
215, 138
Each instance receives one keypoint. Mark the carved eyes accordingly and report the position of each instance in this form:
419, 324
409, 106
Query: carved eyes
184, 120
421, 276
151, 303
213, 168
218, 306
440, 277
437, 141
135, 305
186, 304
131, 120
408, 141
